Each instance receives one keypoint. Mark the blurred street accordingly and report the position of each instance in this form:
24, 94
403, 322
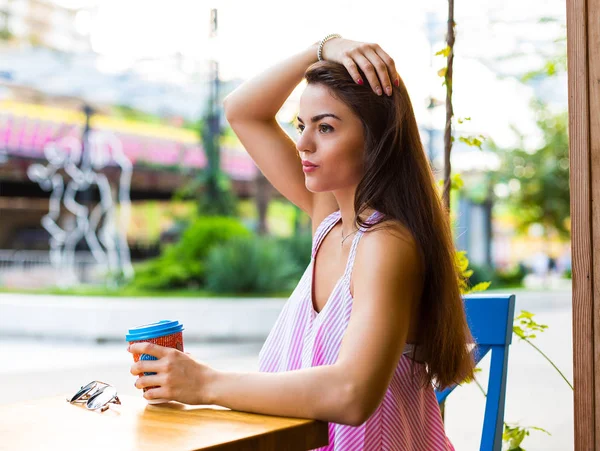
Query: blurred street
536, 394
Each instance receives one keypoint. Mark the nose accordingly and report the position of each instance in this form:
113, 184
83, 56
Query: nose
304, 144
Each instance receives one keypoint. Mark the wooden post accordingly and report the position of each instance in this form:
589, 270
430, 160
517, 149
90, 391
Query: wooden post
583, 42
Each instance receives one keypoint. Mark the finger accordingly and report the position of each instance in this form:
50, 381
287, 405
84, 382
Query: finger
146, 366
391, 65
150, 349
370, 72
381, 68
157, 393
352, 69
148, 381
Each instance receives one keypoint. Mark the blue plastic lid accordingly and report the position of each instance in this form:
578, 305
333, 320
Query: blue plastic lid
154, 330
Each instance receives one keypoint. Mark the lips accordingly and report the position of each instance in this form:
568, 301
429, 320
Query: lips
308, 164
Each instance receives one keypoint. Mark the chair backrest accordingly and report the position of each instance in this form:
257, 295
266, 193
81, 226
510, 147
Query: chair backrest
490, 319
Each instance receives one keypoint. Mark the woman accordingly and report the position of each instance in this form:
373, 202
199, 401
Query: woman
377, 318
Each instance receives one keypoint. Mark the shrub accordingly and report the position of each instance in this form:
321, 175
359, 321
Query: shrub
498, 278
183, 264
250, 266
511, 277
299, 249
482, 273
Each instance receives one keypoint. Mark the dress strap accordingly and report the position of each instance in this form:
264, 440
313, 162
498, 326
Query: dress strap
323, 229
354, 247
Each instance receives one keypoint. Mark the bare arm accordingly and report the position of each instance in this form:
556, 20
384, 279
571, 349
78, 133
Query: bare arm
251, 111
387, 283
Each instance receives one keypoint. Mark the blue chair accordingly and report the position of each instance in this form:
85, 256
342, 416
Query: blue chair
490, 319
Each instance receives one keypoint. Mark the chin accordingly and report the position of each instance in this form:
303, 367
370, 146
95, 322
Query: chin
315, 187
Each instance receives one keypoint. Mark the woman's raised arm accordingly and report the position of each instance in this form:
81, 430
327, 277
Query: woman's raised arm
251, 110
252, 107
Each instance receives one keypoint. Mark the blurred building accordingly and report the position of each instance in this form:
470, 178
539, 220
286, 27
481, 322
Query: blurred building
43, 23
164, 158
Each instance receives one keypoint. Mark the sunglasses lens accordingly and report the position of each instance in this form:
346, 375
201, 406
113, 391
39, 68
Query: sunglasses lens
103, 397
83, 391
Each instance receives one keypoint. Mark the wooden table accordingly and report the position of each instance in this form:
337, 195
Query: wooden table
54, 424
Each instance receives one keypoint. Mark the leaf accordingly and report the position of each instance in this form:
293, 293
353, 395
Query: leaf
482, 286
462, 262
472, 140
457, 181
442, 71
514, 435
444, 52
518, 331
463, 119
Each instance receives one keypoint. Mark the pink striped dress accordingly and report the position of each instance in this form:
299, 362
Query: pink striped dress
407, 419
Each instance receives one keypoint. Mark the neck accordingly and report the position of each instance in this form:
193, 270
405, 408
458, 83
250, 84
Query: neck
345, 200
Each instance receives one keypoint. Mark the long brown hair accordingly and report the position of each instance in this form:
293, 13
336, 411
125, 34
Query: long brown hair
399, 183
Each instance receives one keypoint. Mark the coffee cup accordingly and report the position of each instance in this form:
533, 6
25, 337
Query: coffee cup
164, 333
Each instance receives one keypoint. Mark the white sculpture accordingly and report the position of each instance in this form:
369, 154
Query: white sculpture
104, 232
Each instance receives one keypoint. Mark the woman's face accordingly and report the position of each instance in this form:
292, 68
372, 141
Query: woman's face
331, 137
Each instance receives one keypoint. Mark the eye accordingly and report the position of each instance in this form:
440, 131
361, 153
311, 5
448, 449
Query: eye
300, 128
324, 128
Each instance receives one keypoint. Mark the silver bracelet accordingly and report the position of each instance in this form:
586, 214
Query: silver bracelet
322, 43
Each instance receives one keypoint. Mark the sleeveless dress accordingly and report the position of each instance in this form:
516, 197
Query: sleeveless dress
408, 418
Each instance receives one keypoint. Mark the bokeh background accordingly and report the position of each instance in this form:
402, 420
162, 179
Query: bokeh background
126, 198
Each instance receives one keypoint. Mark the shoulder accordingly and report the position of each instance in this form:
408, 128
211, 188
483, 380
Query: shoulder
390, 243
388, 270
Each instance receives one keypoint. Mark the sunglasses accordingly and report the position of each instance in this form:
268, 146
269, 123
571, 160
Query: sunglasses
96, 395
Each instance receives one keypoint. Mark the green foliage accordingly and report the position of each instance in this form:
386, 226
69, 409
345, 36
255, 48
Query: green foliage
456, 182
217, 196
527, 327
467, 286
542, 196
127, 112
541, 175
5, 34
462, 265
250, 265
555, 64
444, 52
474, 141
183, 264
298, 248
482, 273
483, 276
514, 435
211, 187
511, 277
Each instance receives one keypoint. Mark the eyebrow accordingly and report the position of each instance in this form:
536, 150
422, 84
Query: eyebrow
318, 117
